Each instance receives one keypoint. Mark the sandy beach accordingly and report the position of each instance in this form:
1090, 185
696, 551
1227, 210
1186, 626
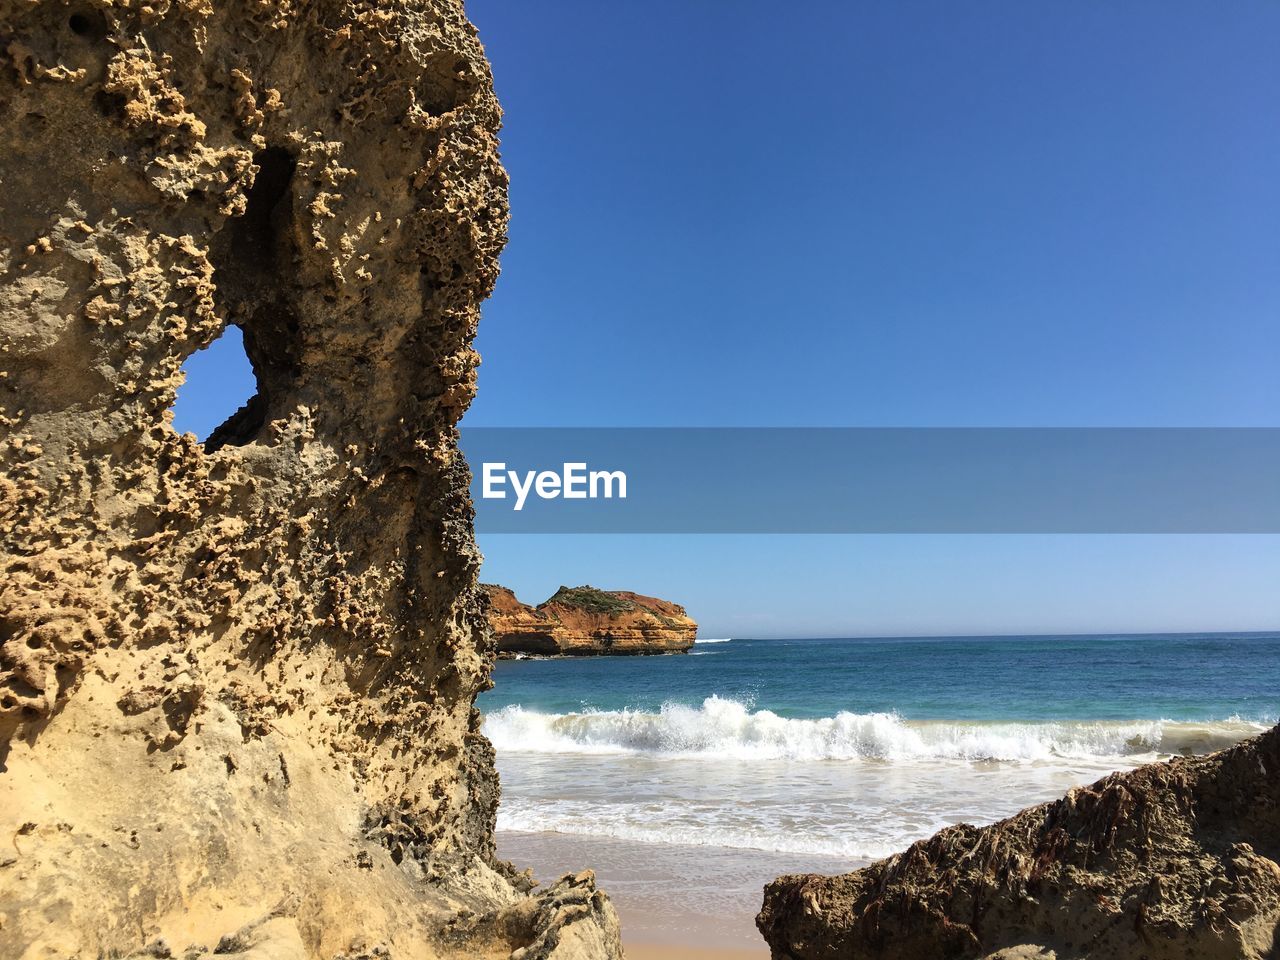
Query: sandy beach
649, 951
673, 900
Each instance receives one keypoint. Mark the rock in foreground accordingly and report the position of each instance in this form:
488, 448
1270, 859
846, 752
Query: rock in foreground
584, 622
237, 678
1172, 860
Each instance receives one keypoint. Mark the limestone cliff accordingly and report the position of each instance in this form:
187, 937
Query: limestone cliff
1172, 860
584, 621
236, 679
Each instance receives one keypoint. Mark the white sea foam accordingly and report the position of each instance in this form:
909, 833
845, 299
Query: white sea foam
726, 728
671, 824
713, 640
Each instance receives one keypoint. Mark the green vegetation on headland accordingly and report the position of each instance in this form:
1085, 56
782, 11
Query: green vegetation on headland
591, 600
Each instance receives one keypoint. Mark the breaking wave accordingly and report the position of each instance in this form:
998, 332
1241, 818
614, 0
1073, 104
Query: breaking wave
726, 728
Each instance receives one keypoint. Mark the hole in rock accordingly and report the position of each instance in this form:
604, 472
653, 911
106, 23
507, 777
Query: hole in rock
88, 24
249, 373
219, 402
258, 228
254, 258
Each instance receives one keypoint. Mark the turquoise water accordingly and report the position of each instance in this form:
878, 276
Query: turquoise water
702, 776
1150, 677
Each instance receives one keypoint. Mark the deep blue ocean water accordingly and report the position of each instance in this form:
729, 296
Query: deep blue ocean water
1187, 677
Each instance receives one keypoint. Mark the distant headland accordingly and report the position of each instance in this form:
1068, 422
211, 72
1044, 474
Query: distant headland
585, 621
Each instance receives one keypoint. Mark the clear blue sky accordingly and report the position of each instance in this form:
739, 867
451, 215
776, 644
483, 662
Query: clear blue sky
891, 213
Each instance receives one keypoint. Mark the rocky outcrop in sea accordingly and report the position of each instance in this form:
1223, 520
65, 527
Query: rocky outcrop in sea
237, 677
1169, 861
586, 622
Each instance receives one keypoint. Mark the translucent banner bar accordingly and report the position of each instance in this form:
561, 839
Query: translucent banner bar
861, 480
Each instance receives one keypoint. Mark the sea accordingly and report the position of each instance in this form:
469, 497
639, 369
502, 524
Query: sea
689, 781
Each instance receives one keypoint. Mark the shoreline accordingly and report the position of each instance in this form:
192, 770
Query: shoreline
690, 786
673, 900
689, 951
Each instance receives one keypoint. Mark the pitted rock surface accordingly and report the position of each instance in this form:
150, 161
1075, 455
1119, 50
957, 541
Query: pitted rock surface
237, 678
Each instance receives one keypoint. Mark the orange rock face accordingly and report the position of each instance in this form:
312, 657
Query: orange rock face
584, 621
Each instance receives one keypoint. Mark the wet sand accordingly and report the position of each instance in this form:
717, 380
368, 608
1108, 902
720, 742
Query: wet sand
643, 951
674, 900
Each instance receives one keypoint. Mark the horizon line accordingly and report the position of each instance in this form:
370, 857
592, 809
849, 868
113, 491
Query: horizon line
1028, 636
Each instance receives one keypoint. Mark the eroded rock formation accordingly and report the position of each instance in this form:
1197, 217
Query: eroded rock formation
1172, 860
584, 621
236, 679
